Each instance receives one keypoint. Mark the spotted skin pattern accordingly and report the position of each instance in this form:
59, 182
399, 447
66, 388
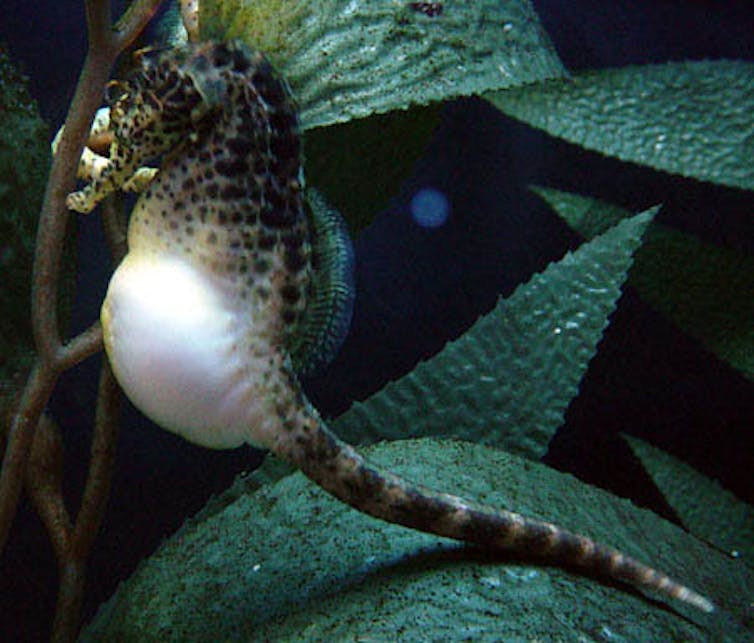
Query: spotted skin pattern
228, 202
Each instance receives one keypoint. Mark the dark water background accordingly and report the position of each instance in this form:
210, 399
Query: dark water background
648, 378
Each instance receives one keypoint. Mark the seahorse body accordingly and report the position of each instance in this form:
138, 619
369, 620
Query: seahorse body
201, 318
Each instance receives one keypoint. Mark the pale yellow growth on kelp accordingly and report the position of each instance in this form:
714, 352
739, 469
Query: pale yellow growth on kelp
265, 25
190, 19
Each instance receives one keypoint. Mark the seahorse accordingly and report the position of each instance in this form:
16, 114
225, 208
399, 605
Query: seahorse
229, 291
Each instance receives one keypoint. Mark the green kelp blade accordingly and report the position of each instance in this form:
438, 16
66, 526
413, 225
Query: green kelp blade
24, 163
290, 563
360, 165
347, 60
691, 118
706, 290
509, 379
705, 508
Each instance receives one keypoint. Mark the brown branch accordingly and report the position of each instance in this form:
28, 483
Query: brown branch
37, 391
97, 488
70, 597
94, 501
134, 19
84, 345
114, 225
38, 460
44, 478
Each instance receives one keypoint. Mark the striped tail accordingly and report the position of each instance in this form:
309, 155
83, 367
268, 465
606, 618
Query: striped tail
342, 471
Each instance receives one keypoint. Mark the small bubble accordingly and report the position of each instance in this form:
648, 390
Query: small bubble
430, 208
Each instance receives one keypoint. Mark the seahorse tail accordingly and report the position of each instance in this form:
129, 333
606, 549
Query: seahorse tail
342, 471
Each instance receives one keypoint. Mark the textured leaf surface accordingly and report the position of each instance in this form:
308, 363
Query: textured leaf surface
360, 165
708, 291
705, 508
289, 563
347, 59
509, 379
691, 118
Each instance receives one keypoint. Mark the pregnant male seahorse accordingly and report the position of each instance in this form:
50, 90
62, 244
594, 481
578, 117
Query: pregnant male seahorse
229, 290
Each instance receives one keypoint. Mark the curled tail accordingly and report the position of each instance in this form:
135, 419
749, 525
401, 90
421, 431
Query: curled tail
342, 471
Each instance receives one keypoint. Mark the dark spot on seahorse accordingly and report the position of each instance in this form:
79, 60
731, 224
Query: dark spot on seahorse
240, 146
212, 190
289, 316
290, 293
221, 55
212, 238
232, 167
231, 191
240, 61
263, 71
276, 217
282, 121
261, 266
293, 239
200, 63
294, 260
260, 166
189, 184
268, 86
179, 205
266, 241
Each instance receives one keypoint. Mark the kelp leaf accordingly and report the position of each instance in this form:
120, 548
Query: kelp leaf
360, 164
291, 563
509, 379
706, 290
348, 60
689, 118
705, 508
24, 161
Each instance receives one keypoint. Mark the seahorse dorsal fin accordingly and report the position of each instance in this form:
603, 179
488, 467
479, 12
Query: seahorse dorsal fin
327, 317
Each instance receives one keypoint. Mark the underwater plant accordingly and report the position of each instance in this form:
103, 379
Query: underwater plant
614, 249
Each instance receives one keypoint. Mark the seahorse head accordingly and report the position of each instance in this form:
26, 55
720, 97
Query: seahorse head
169, 96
